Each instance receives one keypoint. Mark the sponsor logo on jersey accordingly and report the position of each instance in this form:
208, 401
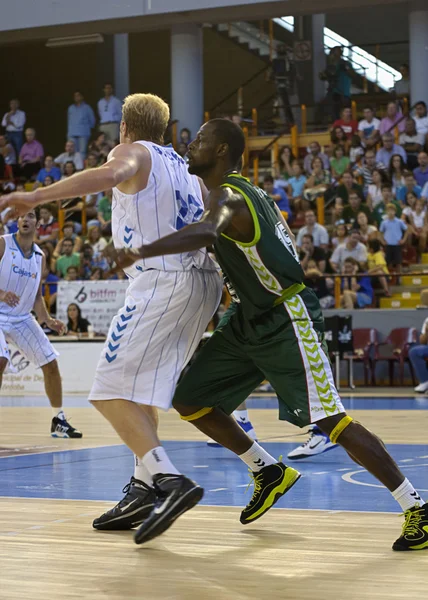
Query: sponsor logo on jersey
22, 272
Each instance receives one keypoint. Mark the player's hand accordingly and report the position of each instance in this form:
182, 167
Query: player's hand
124, 257
57, 326
18, 202
9, 298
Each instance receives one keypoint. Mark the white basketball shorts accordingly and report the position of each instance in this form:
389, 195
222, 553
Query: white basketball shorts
29, 338
154, 335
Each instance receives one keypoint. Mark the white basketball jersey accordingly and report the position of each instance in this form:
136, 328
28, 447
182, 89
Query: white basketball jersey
19, 275
171, 200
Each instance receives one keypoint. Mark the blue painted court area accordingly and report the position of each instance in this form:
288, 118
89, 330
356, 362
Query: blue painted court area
330, 481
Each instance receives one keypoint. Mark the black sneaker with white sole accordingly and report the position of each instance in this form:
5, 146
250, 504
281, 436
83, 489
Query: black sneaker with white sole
135, 506
176, 494
60, 428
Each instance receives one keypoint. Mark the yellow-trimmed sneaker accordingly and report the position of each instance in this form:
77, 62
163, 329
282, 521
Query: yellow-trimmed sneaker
415, 530
270, 483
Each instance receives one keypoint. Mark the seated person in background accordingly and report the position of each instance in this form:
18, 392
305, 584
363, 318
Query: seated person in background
412, 142
340, 235
347, 186
97, 273
95, 240
70, 154
339, 163
379, 211
338, 138
357, 290
278, 195
418, 355
388, 149
347, 123
366, 169
104, 212
76, 323
322, 286
49, 282
47, 227
418, 224
397, 170
92, 161
421, 118
296, 186
48, 170
31, 155
68, 232
68, 258
310, 252
8, 153
368, 128
393, 119
315, 152
88, 262
367, 232
353, 208
318, 183
377, 265
100, 147
318, 232
356, 150
352, 248
69, 169
410, 185
72, 274
394, 234
374, 191
421, 173
283, 169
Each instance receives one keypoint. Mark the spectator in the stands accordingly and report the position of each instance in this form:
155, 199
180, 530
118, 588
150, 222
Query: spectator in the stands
315, 152
418, 355
410, 185
368, 128
97, 274
322, 286
418, 224
338, 138
7, 151
412, 142
88, 261
284, 168
379, 211
347, 123
72, 274
396, 171
310, 252
369, 166
80, 122
76, 324
48, 180
393, 236
70, 154
49, 281
95, 240
421, 173
100, 147
347, 186
351, 248
92, 161
319, 181
357, 290
68, 233
421, 117
318, 233
374, 191
367, 231
49, 170
104, 212
47, 227
394, 118
354, 207
14, 121
31, 155
388, 149
339, 163
69, 169
110, 114
182, 149
278, 195
402, 86
340, 235
339, 79
376, 264
185, 136
356, 150
68, 258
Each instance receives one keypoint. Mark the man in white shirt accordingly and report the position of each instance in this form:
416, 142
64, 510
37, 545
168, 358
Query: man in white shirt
317, 231
368, 128
110, 113
14, 122
418, 355
421, 118
70, 154
351, 248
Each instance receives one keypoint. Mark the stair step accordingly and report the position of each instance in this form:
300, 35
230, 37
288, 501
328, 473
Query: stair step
425, 258
407, 296
415, 280
399, 302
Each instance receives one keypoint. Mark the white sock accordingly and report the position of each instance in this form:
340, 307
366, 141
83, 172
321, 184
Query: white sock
257, 458
58, 413
406, 496
156, 461
141, 473
241, 415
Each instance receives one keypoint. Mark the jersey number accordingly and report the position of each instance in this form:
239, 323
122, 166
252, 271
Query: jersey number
187, 212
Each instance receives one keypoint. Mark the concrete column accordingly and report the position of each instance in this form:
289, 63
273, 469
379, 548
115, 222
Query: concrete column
311, 88
418, 39
187, 77
121, 65
318, 56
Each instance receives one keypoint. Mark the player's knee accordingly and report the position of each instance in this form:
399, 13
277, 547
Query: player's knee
3, 364
335, 426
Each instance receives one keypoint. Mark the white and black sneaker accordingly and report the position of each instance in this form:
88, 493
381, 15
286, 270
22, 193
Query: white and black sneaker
318, 443
60, 428
176, 494
137, 504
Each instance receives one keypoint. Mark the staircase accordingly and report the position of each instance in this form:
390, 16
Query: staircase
246, 34
408, 294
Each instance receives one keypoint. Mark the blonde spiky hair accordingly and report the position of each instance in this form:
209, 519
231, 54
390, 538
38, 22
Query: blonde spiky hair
146, 117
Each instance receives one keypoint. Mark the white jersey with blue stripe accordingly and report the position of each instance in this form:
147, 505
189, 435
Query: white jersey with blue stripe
20, 275
171, 200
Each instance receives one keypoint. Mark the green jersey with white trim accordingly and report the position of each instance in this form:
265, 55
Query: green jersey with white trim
263, 273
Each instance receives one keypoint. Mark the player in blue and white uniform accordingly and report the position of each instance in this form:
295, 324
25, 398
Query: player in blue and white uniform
21, 266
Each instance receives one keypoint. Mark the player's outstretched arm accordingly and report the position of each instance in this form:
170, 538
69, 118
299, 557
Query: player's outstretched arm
124, 162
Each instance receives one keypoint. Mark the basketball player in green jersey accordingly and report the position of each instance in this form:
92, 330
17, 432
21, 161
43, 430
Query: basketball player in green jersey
273, 330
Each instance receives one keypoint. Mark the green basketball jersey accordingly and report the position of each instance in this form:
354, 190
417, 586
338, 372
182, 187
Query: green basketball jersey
263, 273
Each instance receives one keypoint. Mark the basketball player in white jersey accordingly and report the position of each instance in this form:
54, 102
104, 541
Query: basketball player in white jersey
21, 266
169, 302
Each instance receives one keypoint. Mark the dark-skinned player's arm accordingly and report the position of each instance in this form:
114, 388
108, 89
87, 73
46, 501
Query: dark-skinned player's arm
123, 163
222, 202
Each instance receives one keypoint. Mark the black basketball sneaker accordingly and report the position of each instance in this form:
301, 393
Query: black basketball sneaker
415, 530
270, 483
137, 504
176, 494
60, 428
